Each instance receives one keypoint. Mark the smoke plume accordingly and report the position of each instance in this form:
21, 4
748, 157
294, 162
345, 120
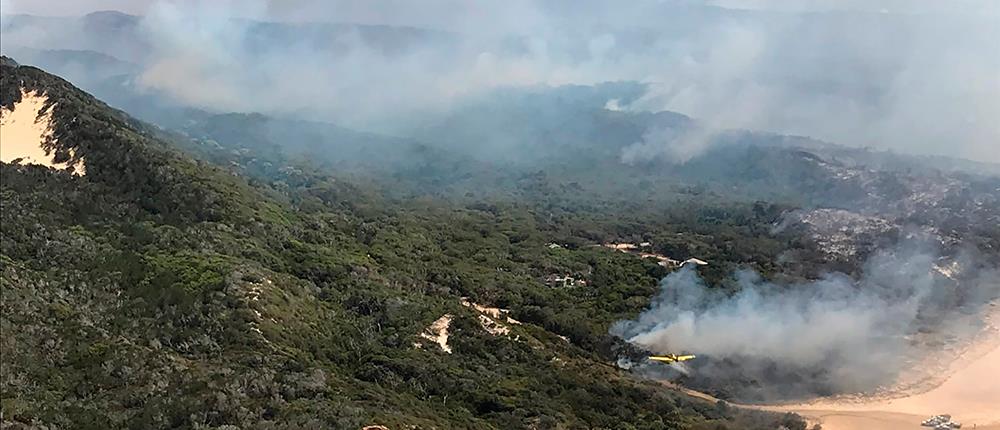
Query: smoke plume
914, 76
835, 334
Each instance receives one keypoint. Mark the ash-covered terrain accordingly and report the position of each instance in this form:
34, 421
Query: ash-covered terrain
907, 269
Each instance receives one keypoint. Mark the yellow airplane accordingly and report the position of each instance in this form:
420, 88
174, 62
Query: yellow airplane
671, 358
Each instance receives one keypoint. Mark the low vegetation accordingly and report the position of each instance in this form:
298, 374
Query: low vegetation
165, 291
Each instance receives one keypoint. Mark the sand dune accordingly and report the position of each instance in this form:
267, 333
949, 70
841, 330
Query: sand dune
23, 132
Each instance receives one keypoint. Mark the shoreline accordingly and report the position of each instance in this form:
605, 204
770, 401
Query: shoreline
964, 387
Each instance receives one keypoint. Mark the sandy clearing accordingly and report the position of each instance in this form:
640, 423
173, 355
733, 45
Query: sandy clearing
493, 327
663, 260
623, 247
23, 131
489, 320
437, 332
494, 313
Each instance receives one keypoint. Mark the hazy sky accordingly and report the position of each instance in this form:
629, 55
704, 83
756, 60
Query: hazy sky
909, 75
889, 6
417, 12
70, 8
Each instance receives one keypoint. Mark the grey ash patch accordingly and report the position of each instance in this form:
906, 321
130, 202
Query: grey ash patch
840, 233
865, 206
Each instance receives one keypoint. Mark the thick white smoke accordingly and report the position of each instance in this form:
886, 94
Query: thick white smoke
671, 145
853, 334
914, 76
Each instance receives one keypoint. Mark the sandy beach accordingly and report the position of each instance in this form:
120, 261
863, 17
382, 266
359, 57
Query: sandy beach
968, 389
969, 392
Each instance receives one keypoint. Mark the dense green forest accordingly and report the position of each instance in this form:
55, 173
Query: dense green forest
177, 285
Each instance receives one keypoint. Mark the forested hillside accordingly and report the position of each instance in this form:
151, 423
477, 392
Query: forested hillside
174, 287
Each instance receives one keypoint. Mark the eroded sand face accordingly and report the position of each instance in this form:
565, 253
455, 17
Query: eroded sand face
23, 131
437, 332
490, 318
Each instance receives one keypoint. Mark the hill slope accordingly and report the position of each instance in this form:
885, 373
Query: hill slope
158, 291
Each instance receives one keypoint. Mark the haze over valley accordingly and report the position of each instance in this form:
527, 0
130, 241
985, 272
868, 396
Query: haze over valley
443, 214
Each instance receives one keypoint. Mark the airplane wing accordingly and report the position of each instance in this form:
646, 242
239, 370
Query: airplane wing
671, 358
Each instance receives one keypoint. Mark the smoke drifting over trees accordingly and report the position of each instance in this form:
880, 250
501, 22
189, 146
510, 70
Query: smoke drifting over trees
906, 76
835, 334
913, 77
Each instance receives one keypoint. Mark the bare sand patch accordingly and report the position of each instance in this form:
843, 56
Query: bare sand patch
25, 129
493, 313
437, 332
489, 318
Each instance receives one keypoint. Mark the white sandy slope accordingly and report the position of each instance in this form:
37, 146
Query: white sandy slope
489, 318
23, 131
437, 332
